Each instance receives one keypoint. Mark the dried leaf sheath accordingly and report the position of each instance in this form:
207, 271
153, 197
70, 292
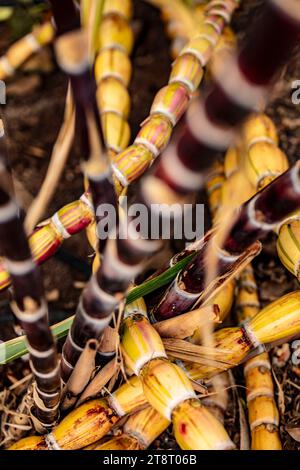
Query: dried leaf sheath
31, 310
96, 304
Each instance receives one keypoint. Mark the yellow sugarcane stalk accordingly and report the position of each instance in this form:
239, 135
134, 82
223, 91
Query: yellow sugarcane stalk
22, 50
139, 431
262, 409
91, 421
166, 386
276, 322
113, 73
171, 101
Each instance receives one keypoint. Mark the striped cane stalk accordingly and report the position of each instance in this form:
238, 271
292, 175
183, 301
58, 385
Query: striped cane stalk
166, 386
262, 409
138, 433
254, 220
171, 101
278, 321
49, 235
22, 50
30, 309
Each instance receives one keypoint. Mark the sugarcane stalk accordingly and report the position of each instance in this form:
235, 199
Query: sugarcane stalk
21, 50
29, 306
254, 220
49, 235
277, 321
113, 74
180, 169
138, 433
171, 101
154, 129
166, 386
90, 421
81, 374
262, 409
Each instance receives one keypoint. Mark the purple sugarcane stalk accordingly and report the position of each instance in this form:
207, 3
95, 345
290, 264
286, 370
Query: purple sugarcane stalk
239, 87
30, 308
255, 219
66, 16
